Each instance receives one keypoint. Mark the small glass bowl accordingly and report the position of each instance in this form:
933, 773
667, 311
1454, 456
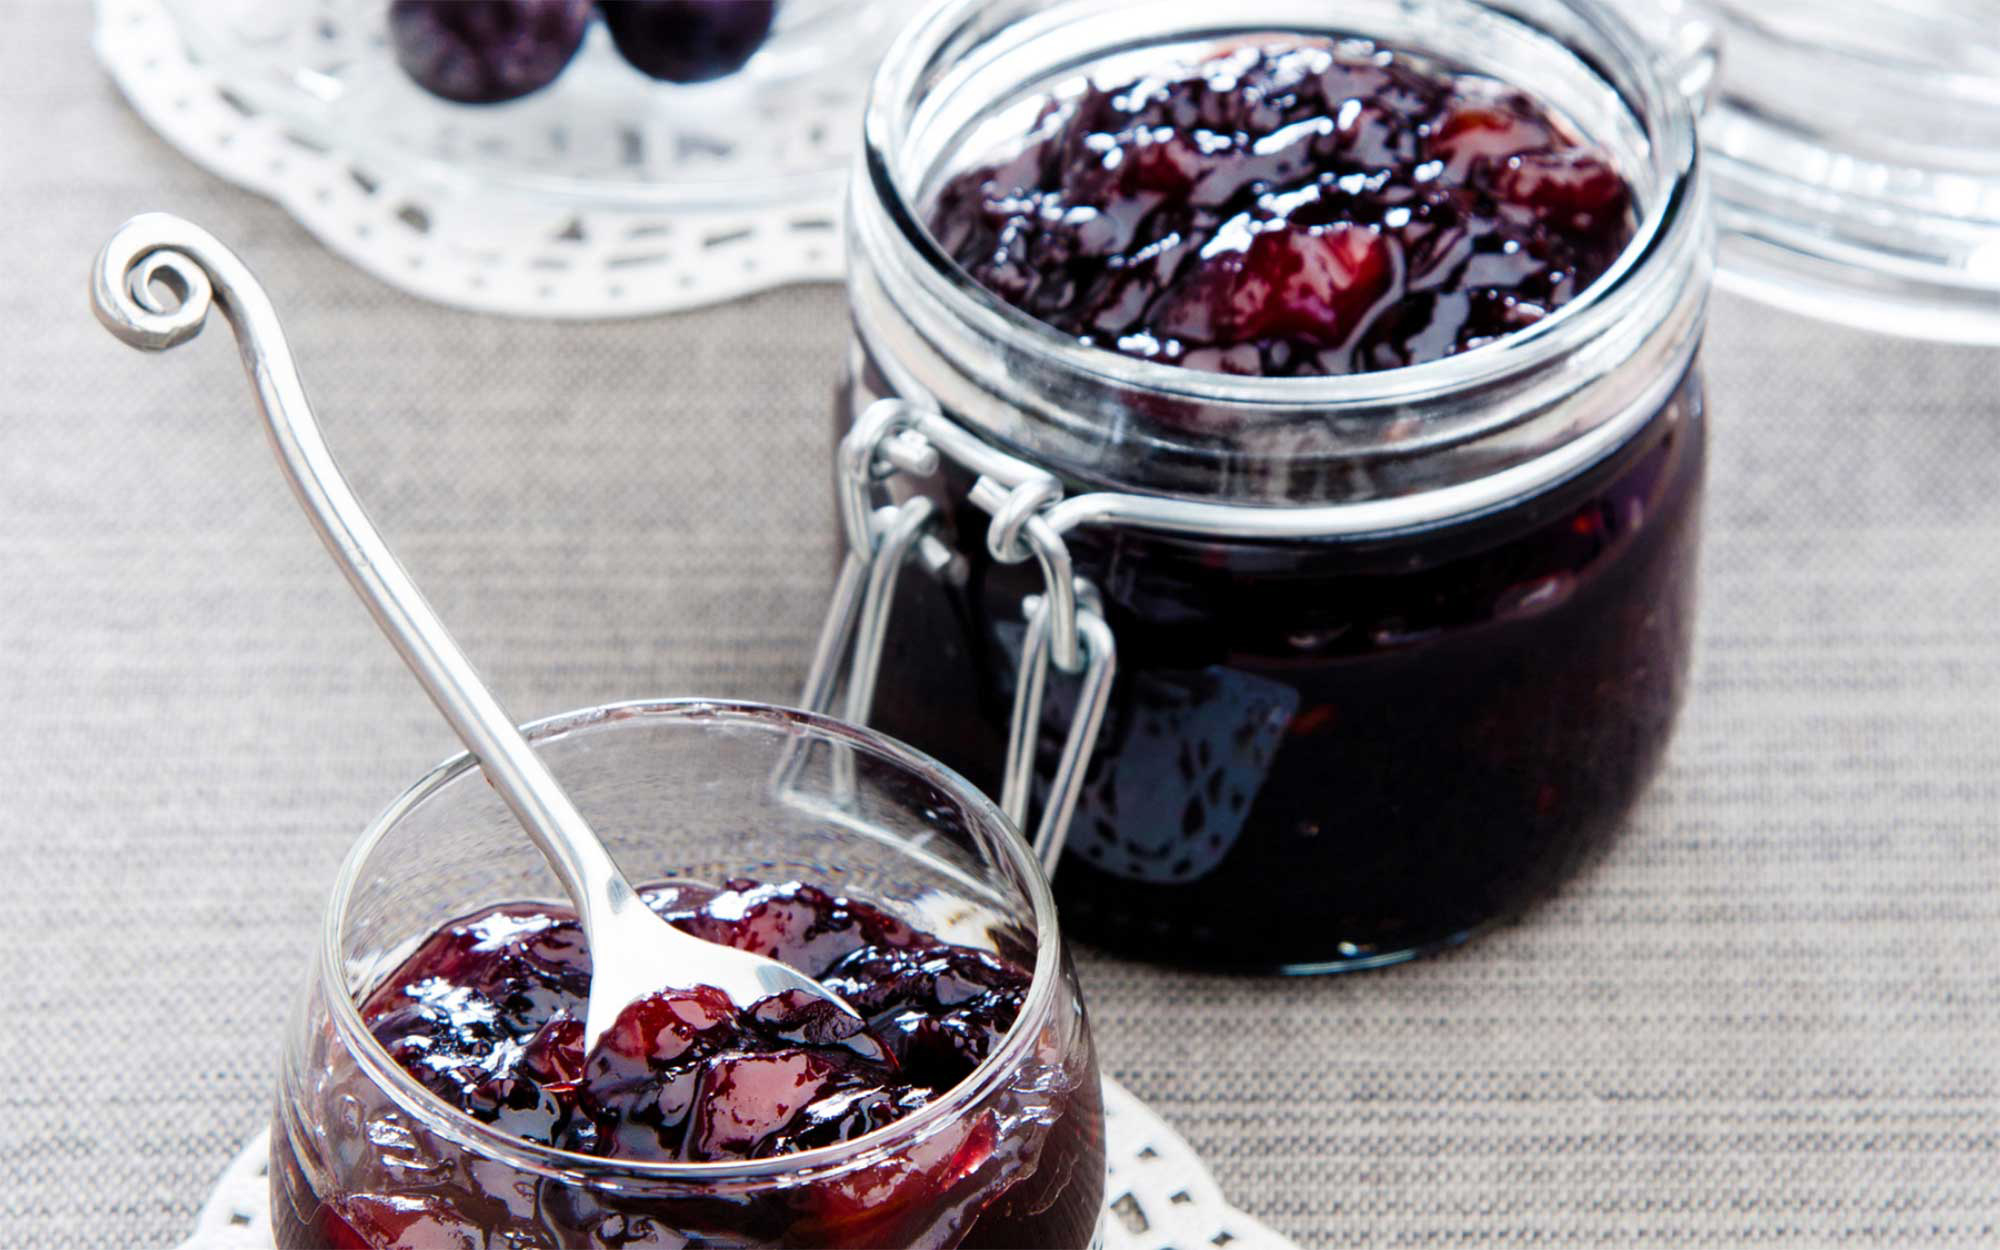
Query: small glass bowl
1012, 1156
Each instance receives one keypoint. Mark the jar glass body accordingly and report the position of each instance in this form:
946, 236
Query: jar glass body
363, 1155
1425, 704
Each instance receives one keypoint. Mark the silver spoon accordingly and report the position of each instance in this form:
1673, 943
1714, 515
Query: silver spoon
633, 952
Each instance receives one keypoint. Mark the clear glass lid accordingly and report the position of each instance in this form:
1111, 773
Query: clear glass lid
1855, 153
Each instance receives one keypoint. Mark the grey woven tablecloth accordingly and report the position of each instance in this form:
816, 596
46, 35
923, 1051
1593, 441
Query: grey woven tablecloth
1771, 1016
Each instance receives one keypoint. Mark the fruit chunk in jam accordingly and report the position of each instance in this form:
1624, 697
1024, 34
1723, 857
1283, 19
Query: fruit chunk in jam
1301, 208
487, 1013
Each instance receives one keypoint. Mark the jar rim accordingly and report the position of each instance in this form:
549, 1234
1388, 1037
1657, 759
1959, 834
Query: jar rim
871, 1147
1607, 299
1398, 440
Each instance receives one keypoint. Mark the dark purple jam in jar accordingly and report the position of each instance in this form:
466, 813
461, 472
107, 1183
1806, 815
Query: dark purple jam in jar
487, 1015
1326, 755
1291, 209
1423, 344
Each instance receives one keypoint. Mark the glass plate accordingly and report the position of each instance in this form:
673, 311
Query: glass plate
607, 194
602, 135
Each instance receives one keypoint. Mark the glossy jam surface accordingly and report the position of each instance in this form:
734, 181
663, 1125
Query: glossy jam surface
1290, 208
487, 1014
1325, 755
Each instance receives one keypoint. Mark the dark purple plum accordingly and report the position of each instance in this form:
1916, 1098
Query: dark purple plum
486, 1014
486, 51
688, 40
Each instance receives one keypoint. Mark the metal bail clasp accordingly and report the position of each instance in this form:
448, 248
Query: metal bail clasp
1065, 624
1031, 683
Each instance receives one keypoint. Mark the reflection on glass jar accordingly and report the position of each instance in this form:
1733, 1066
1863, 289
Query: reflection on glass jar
1396, 650
364, 1154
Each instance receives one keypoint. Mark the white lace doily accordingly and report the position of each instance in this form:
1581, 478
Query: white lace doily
1160, 1196
598, 201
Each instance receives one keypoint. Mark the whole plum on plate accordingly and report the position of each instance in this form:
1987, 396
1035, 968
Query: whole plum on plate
486, 51
688, 41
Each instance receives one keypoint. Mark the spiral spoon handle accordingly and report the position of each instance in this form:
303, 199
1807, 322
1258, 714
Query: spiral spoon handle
634, 952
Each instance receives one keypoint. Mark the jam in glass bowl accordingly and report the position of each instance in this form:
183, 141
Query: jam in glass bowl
435, 1091
1362, 343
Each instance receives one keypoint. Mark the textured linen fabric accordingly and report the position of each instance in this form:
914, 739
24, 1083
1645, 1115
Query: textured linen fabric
1771, 1016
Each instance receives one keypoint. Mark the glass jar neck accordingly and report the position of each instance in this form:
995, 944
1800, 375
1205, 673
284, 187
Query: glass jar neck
1371, 452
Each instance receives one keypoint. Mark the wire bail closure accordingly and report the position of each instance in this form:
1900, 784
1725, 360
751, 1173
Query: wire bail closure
1065, 623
